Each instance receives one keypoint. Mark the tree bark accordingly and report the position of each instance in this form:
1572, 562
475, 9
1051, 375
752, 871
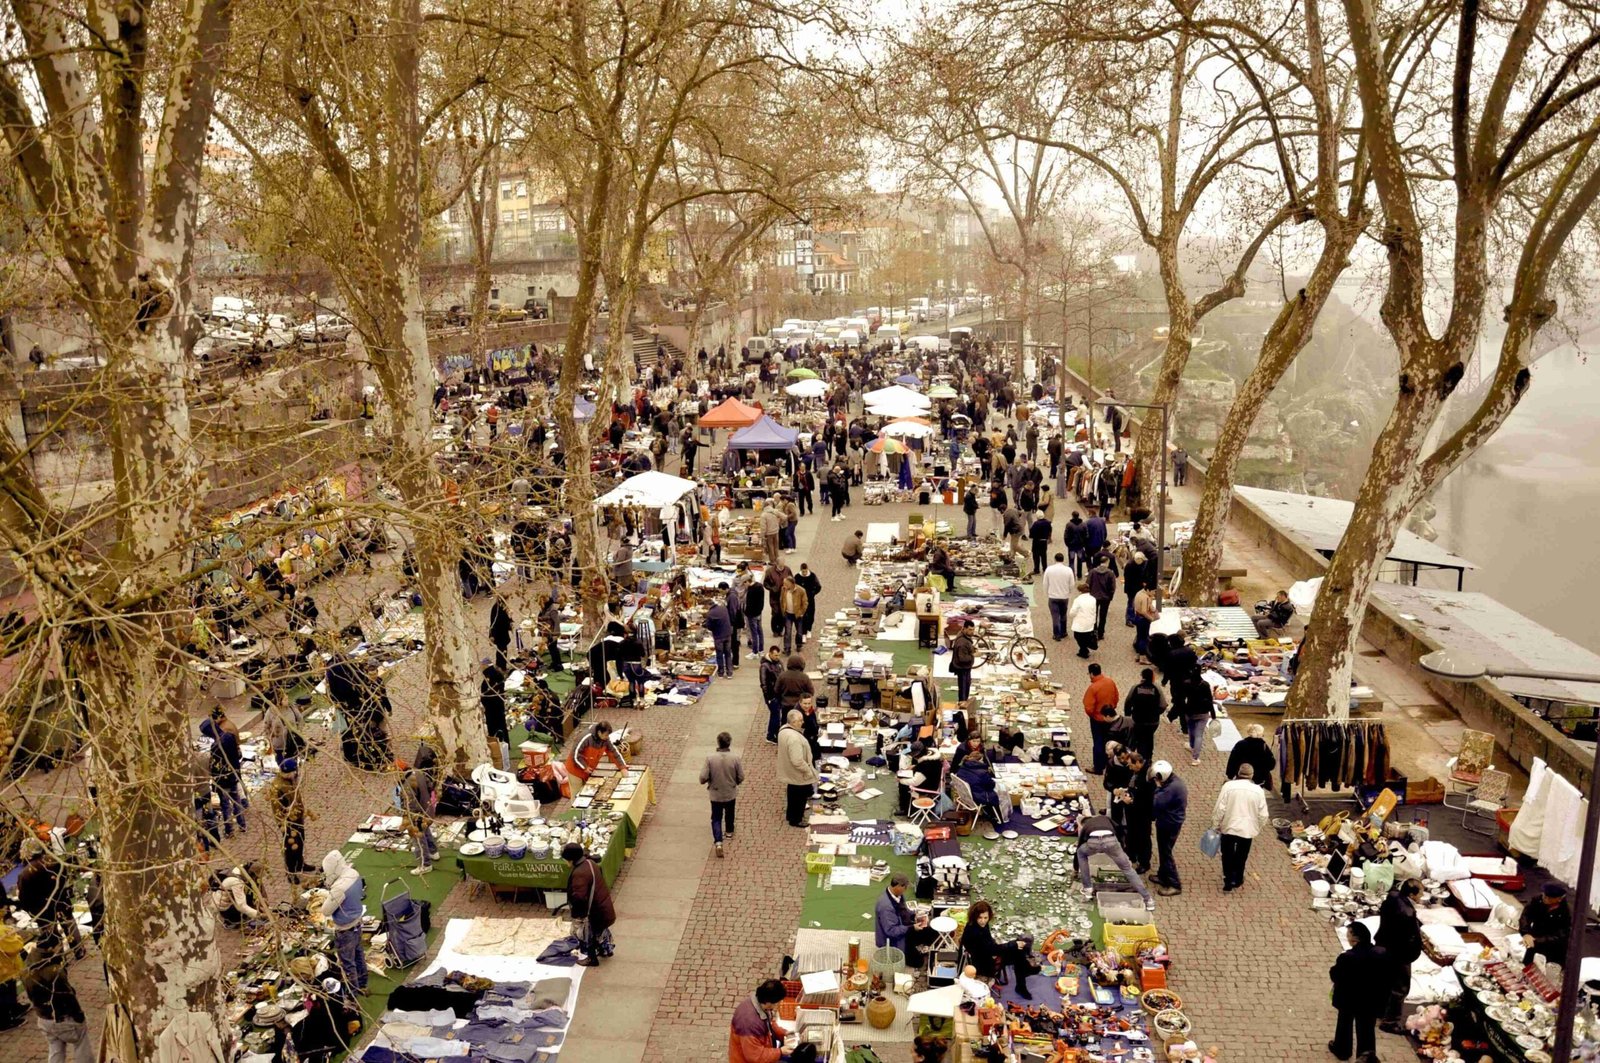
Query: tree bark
575, 442
484, 215
160, 937
1287, 336
1388, 492
159, 942
1147, 455
404, 367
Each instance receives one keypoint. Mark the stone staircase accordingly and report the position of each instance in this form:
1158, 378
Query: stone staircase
644, 348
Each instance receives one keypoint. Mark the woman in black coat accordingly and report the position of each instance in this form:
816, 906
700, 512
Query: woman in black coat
1360, 989
1253, 750
991, 958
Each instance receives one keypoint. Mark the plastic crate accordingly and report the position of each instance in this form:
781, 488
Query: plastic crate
1126, 940
1117, 906
819, 863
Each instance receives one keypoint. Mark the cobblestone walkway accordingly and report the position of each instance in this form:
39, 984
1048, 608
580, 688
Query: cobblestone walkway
695, 934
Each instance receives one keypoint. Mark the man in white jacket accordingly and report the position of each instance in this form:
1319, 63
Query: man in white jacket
1240, 814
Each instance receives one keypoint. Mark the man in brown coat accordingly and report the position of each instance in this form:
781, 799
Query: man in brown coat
592, 911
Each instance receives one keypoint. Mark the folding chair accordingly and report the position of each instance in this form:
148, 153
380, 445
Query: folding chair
1467, 768
1487, 800
966, 805
924, 804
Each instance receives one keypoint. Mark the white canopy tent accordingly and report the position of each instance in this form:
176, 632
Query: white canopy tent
896, 410
807, 389
650, 488
907, 428
897, 395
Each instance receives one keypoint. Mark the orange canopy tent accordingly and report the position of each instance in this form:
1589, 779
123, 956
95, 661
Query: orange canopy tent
730, 413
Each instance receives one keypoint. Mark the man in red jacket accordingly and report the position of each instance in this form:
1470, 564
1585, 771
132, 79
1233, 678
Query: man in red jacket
1100, 705
754, 1036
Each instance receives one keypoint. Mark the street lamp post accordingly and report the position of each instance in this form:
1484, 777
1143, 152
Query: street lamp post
1463, 668
1161, 493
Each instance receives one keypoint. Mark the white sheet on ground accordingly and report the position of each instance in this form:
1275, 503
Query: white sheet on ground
501, 968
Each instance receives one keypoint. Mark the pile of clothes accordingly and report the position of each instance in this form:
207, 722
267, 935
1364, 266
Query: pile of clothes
454, 1016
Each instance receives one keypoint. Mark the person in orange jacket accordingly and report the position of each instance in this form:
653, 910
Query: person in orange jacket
754, 1035
586, 754
1100, 705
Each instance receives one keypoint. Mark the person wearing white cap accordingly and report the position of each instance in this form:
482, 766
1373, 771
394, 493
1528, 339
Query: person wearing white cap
1169, 809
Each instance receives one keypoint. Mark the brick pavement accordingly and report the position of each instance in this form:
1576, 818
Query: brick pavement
696, 936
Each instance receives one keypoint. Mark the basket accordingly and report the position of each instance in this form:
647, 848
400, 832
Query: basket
887, 961
819, 863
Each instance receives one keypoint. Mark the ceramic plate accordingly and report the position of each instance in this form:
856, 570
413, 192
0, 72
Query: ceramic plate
1538, 1055
1529, 1041
1009, 834
472, 849
991, 836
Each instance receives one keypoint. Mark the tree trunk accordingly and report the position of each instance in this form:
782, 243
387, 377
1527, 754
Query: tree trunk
484, 215
1388, 492
579, 484
1285, 339
1148, 456
160, 932
617, 363
160, 936
405, 372
1024, 305
691, 358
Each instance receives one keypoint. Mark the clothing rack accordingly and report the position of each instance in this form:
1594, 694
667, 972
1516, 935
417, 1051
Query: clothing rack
1332, 755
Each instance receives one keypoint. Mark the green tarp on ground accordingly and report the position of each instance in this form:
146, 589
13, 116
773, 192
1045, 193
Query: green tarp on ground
377, 867
850, 907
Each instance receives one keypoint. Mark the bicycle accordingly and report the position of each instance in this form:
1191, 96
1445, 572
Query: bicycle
1022, 652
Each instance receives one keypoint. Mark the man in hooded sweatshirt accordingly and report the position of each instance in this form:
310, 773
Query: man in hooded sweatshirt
345, 906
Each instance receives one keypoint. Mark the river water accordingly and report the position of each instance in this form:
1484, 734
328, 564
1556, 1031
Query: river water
1526, 507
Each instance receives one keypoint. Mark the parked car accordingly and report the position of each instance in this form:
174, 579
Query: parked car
229, 309
505, 313
272, 332
323, 328
221, 339
535, 309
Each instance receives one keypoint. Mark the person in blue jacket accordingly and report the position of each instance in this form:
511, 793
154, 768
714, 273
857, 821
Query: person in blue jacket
892, 919
1169, 808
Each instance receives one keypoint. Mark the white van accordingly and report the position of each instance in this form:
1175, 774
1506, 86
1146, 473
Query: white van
887, 334
230, 308
850, 337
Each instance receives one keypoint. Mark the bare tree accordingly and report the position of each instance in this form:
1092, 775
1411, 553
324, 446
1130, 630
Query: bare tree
1180, 127
78, 89
342, 102
967, 123
614, 89
1336, 198
1517, 110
